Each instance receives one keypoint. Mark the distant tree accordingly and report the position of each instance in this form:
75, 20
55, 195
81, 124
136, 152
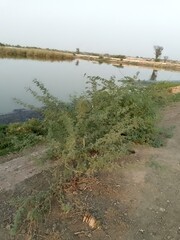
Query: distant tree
158, 52
165, 58
77, 50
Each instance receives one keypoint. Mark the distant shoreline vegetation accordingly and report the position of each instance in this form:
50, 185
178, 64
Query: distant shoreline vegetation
34, 53
19, 115
7, 51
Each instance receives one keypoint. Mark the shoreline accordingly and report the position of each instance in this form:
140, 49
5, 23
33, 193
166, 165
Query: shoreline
128, 61
59, 55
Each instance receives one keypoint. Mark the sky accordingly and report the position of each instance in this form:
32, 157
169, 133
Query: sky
128, 27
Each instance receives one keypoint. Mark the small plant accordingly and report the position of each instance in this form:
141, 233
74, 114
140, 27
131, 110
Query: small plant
30, 211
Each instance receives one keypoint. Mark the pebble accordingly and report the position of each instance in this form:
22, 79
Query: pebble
8, 227
23, 231
54, 227
162, 209
47, 231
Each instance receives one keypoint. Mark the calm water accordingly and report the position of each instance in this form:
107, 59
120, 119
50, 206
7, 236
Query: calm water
61, 78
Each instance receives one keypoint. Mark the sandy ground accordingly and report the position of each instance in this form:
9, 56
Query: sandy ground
15, 170
138, 198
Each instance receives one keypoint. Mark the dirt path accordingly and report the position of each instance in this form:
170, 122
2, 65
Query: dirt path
156, 196
138, 199
15, 171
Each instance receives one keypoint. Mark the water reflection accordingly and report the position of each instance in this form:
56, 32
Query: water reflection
77, 63
119, 66
154, 75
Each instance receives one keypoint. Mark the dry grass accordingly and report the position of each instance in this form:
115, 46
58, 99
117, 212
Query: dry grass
153, 64
38, 54
175, 90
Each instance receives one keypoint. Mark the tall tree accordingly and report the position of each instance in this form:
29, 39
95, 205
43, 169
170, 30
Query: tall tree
77, 50
158, 52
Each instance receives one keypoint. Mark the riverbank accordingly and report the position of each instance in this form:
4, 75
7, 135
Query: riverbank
59, 55
91, 141
136, 198
130, 61
19, 115
152, 64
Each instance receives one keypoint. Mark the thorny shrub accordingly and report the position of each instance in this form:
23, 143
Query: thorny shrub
100, 125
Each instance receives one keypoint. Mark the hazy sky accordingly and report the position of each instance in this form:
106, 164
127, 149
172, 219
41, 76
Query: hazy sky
130, 27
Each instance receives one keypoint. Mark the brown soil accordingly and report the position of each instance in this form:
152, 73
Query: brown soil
136, 199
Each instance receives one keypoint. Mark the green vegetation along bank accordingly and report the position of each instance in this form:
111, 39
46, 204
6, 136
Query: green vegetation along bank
91, 132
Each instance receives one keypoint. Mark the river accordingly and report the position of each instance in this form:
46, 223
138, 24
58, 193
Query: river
61, 78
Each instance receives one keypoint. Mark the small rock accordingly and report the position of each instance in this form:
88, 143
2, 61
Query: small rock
141, 231
82, 186
47, 231
105, 227
23, 231
162, 209
54, 227
8, 227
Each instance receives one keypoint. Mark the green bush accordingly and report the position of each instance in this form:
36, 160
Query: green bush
107, 119
90, 132
16, 136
